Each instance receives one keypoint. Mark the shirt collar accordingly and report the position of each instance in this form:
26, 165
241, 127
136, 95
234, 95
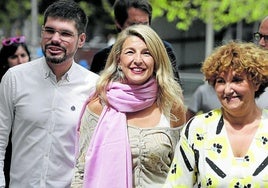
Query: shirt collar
48, 72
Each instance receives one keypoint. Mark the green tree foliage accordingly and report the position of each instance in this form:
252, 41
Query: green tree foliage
13, 12
220, 13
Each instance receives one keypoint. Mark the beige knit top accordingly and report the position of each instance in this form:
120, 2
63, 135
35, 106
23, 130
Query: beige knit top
152, 151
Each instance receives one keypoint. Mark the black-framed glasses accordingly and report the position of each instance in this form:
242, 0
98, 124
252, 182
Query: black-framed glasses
258, 36
65, 35
11, 40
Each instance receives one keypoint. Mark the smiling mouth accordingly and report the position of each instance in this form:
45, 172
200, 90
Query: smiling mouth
229, 98
138, 70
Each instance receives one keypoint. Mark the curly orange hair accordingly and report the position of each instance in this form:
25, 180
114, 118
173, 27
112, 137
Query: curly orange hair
240, 57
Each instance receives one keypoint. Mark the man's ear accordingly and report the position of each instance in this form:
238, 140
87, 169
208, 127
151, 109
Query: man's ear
81, 40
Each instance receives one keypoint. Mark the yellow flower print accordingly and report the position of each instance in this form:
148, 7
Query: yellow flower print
217, 148
244, 161
245, 182
262, 140
210, 116
199, 137
265, 180
210, 181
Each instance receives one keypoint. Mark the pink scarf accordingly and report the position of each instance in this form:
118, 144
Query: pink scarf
108, 159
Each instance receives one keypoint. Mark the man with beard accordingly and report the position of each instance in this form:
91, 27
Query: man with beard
41, 103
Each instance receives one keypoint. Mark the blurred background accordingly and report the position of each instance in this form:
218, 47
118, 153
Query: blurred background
193, 27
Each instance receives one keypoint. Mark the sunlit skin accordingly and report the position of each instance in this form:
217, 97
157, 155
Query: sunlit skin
135, 16
19, 57
136, 61
263, 29
59, 53
241, 114
236, 93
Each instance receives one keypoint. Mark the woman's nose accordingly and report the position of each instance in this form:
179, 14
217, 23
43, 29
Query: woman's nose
228, 88
137, 58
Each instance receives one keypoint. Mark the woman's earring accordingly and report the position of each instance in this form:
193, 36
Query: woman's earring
120, 73
119, 68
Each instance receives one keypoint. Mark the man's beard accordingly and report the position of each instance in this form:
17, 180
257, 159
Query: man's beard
53, 59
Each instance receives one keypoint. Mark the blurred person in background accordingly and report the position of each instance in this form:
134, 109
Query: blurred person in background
261, 37
14, 51
203, 100
127, 13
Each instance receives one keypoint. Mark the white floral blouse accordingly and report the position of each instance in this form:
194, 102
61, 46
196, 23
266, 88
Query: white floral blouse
204, 157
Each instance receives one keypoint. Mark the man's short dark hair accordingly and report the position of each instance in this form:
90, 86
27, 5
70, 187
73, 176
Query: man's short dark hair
68, 10
121, 7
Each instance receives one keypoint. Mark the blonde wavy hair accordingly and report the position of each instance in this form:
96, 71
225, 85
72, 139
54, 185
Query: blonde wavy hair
169, 91
241, 57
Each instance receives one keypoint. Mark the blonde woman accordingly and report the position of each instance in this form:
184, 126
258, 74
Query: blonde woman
131, 124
